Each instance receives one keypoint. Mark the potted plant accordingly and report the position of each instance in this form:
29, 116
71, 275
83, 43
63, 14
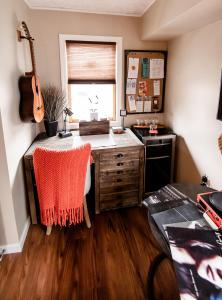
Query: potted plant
54, 102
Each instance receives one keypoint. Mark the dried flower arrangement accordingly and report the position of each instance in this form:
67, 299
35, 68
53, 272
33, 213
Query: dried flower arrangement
54, 102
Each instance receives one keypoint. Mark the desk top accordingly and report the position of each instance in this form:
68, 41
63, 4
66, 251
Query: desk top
98, 142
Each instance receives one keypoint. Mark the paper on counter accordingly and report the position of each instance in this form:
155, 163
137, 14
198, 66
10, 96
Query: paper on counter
156, 87
147, 106
156, 68
132, 103
96, 141
131, 86
139, 106
133, 67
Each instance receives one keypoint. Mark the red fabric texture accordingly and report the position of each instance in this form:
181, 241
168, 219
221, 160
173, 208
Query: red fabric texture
60, 179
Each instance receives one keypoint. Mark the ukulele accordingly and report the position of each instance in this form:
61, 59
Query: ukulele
31, 108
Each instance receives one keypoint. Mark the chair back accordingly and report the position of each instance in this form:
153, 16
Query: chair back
62, 179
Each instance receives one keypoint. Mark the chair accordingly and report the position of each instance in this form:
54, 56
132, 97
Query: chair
62, 176
85, 208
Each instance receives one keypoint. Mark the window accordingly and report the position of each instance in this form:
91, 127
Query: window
86, 97
91, 74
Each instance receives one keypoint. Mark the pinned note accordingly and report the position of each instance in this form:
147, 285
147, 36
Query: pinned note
132, 103
156, 87
145, 67
133, 67
131, 86
147, 106
155, 103
139, 106
156, 68
143, 88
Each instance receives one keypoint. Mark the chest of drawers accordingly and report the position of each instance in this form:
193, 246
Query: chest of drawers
118, 177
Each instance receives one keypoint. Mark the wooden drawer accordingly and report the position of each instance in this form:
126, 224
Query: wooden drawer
119, 165
116, 173
119, 196
114, 200
111, 180
116, 187
119, 155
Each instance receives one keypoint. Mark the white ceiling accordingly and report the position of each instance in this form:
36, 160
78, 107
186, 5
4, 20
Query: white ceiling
134, 8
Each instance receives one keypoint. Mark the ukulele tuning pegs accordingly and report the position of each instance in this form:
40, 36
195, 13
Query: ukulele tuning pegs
20, 27
19, 32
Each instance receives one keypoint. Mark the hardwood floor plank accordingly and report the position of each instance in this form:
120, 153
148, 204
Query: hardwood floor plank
108, 261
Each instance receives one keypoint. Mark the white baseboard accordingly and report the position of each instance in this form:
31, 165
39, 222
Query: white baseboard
17, 247
24, 233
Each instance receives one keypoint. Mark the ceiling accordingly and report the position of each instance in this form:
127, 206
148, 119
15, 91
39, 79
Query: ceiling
134, 8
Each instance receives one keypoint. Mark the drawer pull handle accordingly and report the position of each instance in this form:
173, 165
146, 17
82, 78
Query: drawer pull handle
119, 172
120, 164
119, 155
119, 180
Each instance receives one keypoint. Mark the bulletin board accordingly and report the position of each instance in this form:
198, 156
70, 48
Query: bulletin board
145, 76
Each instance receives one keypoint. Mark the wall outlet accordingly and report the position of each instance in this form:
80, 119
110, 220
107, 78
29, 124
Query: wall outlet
204, 180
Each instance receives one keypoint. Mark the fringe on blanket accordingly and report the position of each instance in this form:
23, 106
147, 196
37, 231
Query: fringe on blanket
52, 217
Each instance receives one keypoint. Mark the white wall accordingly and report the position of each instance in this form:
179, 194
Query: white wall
167, 19
163, 12
192, 95
17, 136
8, 229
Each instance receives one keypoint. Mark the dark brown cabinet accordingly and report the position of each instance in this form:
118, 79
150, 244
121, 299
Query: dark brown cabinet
119, 177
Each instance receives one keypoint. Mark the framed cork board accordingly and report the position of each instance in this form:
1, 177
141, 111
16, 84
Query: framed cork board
145, 76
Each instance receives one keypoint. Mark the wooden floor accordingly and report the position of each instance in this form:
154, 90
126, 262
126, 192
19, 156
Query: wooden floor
108, 261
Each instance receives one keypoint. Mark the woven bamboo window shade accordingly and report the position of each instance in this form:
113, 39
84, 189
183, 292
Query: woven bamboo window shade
91, 62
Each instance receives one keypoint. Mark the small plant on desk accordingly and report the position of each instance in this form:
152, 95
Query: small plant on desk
54, 102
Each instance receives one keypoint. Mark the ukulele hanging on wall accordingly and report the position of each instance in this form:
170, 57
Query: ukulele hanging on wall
31, 108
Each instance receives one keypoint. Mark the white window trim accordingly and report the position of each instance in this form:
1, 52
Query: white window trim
118, 40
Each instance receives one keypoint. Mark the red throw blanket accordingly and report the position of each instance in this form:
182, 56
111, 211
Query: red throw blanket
60, 178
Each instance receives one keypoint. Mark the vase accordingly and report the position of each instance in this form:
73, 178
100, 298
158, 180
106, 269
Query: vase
51, 127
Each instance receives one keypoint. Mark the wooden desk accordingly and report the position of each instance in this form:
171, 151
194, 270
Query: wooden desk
119, 168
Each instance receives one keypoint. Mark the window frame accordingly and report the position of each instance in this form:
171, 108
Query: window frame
91, 38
